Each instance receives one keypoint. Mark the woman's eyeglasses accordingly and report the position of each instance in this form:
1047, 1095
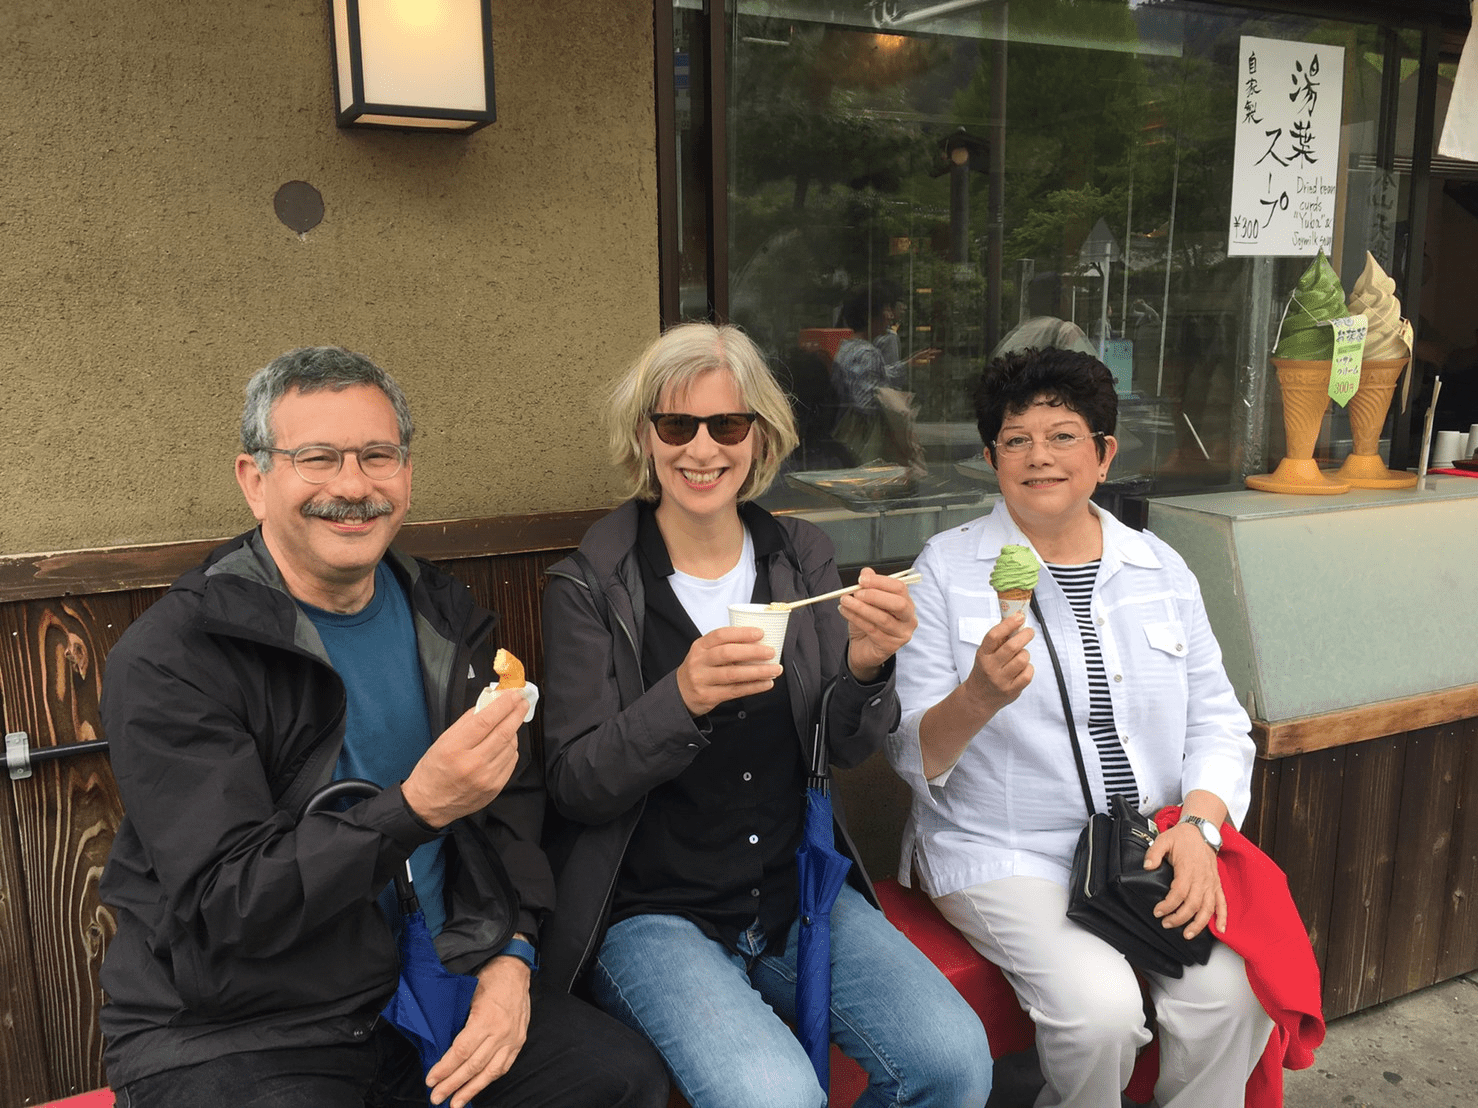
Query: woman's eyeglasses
727, 428
1060, 443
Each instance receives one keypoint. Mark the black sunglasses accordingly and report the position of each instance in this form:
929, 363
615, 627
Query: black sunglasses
727, 428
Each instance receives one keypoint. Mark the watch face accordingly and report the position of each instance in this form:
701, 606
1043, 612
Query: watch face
1209, 831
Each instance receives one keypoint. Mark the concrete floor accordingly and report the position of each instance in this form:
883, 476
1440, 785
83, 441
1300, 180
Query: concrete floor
1419, 1051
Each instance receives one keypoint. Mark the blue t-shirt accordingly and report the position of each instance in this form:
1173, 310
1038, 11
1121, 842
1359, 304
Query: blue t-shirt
387, 728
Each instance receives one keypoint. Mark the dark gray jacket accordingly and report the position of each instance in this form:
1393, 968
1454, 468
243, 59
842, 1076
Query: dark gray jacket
608, 740
240, 926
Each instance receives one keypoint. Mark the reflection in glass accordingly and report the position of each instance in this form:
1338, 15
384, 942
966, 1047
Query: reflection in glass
914, 185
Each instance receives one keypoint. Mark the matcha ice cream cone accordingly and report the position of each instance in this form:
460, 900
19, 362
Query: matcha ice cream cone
1014, 578
1304, 358
1305, 387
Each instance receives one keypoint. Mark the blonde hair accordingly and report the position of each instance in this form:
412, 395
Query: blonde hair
677, 358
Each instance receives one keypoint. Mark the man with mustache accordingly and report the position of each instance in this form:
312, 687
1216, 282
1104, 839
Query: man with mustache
255, 945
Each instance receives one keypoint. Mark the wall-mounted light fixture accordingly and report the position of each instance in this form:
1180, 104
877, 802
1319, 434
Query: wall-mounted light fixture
414, 64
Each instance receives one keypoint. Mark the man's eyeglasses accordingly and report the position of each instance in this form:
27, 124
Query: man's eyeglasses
1060, 442
319, 465
727, 428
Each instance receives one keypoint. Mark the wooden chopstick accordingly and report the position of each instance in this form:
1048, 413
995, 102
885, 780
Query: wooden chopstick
907, 576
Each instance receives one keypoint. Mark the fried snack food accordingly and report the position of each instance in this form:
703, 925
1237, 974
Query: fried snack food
509, 670
510, 676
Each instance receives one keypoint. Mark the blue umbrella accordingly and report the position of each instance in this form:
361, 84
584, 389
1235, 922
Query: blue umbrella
430, 1004
821, 872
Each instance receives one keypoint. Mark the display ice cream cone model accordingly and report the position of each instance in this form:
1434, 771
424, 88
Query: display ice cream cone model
1303, 357
1014, 578
1387, 350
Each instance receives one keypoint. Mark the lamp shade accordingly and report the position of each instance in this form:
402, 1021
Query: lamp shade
414, 64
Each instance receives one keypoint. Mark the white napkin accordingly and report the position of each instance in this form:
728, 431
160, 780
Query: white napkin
529, 692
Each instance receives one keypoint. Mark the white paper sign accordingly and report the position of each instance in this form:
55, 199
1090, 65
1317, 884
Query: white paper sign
1285, 162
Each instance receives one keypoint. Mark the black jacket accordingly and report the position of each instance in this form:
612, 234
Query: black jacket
240, 926
608, 740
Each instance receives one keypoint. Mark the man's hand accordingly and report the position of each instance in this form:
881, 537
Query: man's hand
493, 1034
726, 663
468, 765
880, 619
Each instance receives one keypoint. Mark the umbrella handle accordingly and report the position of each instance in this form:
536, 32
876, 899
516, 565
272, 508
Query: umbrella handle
336, 790
361, 789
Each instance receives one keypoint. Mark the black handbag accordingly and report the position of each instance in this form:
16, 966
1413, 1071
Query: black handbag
1110, 893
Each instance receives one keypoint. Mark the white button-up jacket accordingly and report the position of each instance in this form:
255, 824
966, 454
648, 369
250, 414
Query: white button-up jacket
1012, 805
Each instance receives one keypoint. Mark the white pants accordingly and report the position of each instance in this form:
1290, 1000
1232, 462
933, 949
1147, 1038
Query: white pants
1086, 1004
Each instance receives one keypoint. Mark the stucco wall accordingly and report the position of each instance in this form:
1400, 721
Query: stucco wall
503, 277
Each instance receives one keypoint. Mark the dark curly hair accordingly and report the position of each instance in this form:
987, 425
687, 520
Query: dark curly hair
1063, 378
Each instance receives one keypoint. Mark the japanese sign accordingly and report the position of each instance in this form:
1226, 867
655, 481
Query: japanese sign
1284, 166
1349, 347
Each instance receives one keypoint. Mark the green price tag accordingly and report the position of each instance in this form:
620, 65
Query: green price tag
1349, 347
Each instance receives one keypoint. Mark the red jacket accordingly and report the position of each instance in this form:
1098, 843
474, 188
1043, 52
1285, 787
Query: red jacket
1264, 927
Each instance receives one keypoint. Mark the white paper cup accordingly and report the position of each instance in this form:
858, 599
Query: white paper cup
1472, 440
1449, 445
772, 621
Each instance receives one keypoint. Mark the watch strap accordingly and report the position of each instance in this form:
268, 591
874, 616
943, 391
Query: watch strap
523, 950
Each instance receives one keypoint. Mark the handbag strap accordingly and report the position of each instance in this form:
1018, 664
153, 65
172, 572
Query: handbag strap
1067, 708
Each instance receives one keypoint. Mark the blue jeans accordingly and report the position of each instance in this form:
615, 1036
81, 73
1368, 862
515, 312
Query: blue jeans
718, 1016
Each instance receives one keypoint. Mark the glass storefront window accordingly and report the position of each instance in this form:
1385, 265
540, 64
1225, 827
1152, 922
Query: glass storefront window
915, 185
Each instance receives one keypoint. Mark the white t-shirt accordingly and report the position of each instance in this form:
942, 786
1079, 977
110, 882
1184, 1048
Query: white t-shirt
707, 602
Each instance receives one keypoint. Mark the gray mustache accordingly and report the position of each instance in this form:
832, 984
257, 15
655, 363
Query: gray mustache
340, 510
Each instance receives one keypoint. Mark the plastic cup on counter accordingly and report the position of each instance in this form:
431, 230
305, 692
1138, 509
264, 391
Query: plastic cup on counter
1449, 445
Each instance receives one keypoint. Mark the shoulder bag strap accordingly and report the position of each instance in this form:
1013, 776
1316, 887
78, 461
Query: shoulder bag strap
1067, 708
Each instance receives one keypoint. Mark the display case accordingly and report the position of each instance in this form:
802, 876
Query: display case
1322, 604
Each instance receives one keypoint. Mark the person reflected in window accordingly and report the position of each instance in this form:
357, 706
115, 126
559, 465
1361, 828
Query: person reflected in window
875, 416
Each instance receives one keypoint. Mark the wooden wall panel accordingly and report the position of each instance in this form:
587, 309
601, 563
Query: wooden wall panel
1361, 892
65, 816
1459, 946
1309, 794
1433, 758
512, 586
1261, 824
24, 1075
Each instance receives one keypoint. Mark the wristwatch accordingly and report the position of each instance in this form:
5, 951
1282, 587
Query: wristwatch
1209, 831
520, 948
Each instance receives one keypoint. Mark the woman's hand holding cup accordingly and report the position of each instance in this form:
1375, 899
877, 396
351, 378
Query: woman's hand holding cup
726, 663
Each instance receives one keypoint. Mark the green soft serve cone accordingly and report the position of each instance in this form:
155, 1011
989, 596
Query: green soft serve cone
1317, 298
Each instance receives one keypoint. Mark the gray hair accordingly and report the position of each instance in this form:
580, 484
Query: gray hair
309, 369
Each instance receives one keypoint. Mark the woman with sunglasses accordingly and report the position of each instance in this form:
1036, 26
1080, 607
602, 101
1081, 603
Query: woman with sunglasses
984, 744
676, 751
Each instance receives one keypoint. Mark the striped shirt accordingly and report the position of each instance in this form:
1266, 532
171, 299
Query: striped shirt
1118, 776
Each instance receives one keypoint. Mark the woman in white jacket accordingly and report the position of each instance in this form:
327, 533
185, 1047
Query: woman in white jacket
984, 746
